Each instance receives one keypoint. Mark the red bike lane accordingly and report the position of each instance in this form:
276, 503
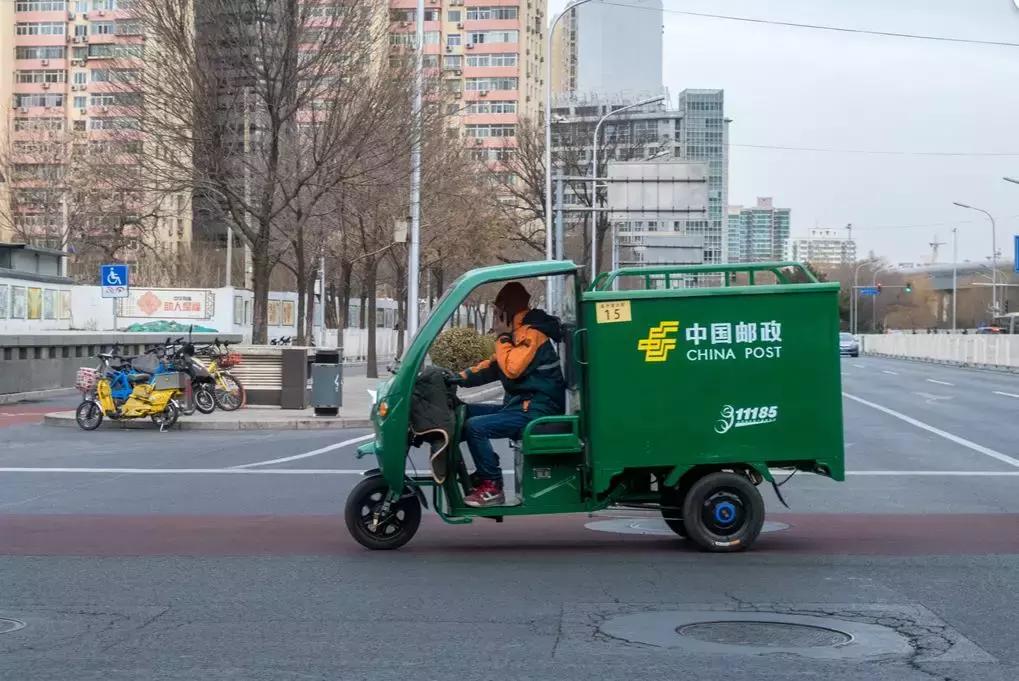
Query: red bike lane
23, 414
277, 535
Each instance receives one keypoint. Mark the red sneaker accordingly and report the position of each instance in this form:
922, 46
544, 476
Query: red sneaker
487, 493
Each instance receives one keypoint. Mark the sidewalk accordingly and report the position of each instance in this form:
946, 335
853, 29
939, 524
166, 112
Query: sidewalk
353, 414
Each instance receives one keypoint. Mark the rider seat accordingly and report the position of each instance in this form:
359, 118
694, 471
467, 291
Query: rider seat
139, 378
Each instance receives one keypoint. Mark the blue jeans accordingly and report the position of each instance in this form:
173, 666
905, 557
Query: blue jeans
488, 421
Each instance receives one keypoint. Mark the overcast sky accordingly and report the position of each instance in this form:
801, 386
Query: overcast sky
806, 88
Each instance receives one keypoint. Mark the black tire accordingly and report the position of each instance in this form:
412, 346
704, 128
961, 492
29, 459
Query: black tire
672, 502
723, 512
205, 399
233, 396
395, 530
88, 415
169, 416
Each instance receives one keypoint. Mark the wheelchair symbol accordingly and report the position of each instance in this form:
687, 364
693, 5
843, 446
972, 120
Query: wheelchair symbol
113, 278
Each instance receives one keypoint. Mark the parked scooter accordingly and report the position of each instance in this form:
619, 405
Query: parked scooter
199, 393
151, 396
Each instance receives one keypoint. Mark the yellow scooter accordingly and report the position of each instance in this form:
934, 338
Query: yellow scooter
155, 399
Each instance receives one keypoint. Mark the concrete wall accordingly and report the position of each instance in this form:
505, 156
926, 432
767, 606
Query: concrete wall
1000, 351
47, 361
17, 298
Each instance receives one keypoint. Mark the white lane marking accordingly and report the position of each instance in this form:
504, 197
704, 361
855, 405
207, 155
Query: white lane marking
931, 399
933, 380
960, 474
858, 366
314, 452
190, 471
937, 431
998, 392
479, 393
886, 371
199, 471
358, 471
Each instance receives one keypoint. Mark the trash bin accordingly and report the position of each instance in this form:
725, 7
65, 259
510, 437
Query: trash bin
327, 383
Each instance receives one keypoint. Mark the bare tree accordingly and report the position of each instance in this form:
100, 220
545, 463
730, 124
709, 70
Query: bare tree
76, 190
520, 175
266, 107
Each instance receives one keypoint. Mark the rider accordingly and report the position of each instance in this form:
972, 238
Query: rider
527, 363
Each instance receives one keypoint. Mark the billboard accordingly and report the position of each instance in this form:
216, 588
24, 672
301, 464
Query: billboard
167, 303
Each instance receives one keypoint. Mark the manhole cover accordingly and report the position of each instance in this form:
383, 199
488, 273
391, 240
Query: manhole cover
718, 632
7, 626
656, 526
764, 634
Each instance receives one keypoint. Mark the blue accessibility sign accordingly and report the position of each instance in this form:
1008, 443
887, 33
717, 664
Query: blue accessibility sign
869, 291
113, 279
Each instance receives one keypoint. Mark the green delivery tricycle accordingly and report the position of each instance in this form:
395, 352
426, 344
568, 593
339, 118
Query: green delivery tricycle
687, 387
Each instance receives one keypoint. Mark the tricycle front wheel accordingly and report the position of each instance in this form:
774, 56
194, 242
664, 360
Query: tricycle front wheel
723, 512
390, 530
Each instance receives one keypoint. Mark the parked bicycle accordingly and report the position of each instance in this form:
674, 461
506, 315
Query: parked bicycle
228, 391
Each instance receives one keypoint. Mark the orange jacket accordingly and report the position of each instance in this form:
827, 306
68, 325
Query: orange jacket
527, 363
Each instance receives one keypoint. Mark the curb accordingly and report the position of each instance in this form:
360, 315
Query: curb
65, 419
14, 398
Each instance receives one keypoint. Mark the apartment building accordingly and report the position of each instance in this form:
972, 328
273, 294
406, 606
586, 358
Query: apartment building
759, 233
68, 73
488, 54
826, 247
695, 131
609, 49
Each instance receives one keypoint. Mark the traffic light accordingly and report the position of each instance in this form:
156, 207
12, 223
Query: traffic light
909, 287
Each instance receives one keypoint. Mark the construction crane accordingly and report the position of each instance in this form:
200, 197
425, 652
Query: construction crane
934, 248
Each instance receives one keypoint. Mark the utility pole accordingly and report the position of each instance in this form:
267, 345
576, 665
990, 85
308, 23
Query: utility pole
955, 273
414, 240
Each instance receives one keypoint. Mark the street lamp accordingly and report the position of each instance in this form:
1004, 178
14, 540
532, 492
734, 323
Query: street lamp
994, 254
594, 177
1011, 179
549, 254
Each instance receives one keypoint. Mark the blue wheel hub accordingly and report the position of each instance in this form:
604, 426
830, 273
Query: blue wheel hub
724, 512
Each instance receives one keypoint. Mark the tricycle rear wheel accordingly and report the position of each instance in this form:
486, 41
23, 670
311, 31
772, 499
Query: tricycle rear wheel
723, 512
393, 530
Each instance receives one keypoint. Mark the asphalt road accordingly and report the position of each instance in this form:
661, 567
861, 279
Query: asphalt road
197, 555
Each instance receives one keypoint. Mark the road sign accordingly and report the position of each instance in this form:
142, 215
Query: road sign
869, 291
1015, 239
113, 279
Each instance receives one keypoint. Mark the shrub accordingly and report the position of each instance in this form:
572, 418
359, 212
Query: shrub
461, 347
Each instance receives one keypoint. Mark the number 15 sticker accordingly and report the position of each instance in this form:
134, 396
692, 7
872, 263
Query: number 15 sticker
612, 312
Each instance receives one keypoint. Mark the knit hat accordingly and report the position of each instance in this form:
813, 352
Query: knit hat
512, 298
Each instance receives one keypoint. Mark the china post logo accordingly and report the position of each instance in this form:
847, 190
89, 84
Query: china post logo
657, 345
